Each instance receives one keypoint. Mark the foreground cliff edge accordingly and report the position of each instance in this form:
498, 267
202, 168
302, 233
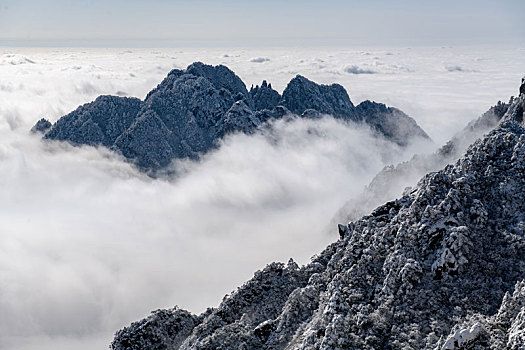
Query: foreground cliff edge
442, 267
191, 110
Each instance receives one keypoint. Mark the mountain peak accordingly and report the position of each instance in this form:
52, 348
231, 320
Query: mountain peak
389, 121
302, 94
516, 110
221, 77
190, 110
264, 97
41, 126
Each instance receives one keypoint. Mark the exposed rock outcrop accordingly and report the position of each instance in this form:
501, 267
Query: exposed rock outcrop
264, 97
41, 126
163, 329
390, 122
100, 122
302, 94
191, 110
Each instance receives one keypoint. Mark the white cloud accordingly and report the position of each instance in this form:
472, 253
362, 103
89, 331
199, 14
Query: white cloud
87, 244
84, 234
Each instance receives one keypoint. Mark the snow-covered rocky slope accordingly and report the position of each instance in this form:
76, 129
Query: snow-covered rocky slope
191, 110
442, 267
391, 181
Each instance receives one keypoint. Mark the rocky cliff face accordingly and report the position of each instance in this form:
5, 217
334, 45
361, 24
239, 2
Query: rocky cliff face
41, 126
264, 97
302, 94
390, 122
190, 110
100, 122
441, 267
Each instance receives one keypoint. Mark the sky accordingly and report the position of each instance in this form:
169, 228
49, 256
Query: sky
203, 23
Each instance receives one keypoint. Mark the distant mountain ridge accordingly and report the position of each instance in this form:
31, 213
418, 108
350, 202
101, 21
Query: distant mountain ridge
190, 110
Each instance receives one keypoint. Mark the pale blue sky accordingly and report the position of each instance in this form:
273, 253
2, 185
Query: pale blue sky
261, 23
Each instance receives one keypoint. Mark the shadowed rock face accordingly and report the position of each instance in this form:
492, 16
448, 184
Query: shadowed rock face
41, 126
302, 94
442, 267
390, 122
152, 332
100, 122
264, 97
190, 110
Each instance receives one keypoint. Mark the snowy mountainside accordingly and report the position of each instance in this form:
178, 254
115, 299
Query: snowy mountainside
442, 267
390, 182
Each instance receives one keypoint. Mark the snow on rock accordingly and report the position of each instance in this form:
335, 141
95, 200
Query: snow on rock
264, 97
191, 110
390, 121
388, 183
517, 332
239, 118
434, 269
163, 329
302, 94
462, 338
41, 126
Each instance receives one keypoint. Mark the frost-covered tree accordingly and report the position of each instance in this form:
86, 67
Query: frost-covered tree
440, 268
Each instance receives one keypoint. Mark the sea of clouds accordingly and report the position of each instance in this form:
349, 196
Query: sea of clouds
88, 244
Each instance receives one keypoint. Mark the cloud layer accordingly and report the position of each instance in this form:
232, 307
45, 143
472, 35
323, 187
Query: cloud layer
87, 244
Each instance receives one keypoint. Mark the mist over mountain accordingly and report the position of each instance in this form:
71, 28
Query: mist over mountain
89, 244
390, 181
177, 180
191, 110
441, 267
